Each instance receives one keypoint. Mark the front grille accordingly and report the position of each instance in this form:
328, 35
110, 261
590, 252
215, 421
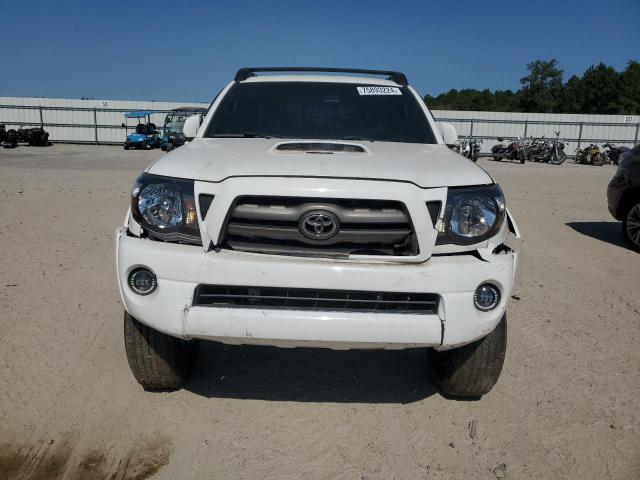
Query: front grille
226, 296
273, 225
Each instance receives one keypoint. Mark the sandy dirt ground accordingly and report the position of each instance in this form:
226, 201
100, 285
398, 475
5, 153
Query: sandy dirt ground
567, 404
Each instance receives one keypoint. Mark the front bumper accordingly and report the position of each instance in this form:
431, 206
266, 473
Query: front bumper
180, 268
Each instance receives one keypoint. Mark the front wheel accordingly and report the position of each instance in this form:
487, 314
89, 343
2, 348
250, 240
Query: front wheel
598, 160
558, 157
471, 370
157, 361
631, 225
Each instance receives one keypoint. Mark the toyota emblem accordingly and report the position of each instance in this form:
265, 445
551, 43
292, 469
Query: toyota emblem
319, 225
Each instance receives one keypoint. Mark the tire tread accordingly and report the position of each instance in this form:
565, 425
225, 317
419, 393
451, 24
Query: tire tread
157, 360
473, 369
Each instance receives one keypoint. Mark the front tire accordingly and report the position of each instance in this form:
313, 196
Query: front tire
471, 370
157, 361
598, 160
631, 225
558, 157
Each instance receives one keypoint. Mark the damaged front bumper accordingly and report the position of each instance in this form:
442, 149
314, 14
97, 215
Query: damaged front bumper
181, 268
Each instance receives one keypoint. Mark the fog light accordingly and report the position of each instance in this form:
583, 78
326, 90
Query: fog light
487, 297
142, 281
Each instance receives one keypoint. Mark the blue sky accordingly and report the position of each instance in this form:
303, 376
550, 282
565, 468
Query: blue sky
187, 51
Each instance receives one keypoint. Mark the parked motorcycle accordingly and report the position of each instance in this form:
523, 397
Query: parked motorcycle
8, 138
511, 151
591, 155
549, 151
613, 153
35, 136
532, 147
469, 147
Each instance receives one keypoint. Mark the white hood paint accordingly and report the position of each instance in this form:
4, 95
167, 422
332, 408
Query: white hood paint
216, 159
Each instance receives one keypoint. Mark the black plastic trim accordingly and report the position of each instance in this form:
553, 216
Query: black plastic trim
315, 299
247, 72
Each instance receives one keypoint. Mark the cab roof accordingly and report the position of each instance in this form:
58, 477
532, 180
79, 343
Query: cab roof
322, 79
393, 78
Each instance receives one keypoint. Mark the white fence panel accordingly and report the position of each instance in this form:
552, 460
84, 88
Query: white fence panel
71, 120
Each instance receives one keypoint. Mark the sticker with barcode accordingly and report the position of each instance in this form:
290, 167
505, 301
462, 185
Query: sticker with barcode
379, 91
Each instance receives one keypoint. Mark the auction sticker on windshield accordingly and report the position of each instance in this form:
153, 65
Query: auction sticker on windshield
379, 91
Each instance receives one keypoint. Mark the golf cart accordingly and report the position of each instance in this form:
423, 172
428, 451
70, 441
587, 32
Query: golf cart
146, 135
172, 135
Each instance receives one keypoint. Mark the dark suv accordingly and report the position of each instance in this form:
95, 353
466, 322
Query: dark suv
623, 195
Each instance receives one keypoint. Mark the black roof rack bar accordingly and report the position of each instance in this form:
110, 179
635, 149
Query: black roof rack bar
398, 77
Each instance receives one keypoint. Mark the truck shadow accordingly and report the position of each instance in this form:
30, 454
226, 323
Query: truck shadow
311, 374
610, 232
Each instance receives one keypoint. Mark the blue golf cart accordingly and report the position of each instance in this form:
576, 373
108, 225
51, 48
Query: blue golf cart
146, 135
172, 136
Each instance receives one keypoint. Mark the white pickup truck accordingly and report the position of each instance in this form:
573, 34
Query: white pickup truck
317, 208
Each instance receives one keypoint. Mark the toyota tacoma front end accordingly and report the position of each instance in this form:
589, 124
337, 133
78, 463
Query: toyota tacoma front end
317, 211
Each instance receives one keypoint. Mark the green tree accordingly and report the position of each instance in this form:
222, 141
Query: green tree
570, 98
630, 89
601, 86
541, 88
601, 89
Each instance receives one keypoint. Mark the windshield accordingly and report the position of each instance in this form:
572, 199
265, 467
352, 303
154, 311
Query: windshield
332, 111
175, 121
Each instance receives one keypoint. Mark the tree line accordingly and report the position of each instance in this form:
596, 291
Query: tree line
601, 89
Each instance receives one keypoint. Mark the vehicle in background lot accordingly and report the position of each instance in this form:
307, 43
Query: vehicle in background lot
35, 136
315, 210
146, 135
591, 155
511, 151
469, 147
613, 153
623, 196
8, 138
172, 135
545, 151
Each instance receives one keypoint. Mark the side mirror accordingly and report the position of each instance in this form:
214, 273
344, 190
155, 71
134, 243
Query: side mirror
191, 126
124, 126
449, 134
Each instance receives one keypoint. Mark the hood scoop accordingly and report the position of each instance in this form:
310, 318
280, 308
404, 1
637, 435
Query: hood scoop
320, 147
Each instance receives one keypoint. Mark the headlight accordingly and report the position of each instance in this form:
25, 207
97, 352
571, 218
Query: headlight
472, 215
166, 209
161, 205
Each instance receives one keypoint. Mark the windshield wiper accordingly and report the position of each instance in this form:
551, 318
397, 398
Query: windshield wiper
245, 135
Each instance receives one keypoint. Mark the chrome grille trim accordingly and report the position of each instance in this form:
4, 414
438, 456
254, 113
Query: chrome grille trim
269, 224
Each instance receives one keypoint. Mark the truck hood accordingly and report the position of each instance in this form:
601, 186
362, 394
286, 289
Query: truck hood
216, 159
